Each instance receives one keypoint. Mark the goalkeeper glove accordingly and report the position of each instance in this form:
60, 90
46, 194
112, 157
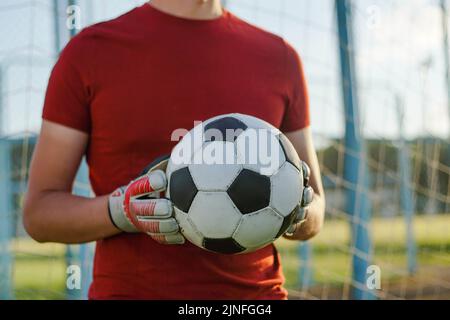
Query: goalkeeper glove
138, 207
307, 197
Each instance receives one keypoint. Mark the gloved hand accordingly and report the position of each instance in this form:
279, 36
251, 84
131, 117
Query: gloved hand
307, 197
139, 206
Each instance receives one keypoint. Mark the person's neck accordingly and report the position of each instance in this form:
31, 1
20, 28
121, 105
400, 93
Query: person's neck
189, 9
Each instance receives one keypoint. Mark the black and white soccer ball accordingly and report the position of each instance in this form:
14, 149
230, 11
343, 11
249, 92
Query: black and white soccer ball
246, 200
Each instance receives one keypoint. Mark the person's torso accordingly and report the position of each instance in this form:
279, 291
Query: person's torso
151, 74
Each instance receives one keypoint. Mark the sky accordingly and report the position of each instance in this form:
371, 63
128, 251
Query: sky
398, 45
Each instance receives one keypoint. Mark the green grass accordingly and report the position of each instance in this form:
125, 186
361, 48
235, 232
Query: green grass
331, 258
39, 279
39, 271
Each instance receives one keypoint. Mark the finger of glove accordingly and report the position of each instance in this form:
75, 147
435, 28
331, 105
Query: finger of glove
158, 180
291, 229
306, 173
176, 238
300, 214
156, 227
151, 208
307, 196
152, 182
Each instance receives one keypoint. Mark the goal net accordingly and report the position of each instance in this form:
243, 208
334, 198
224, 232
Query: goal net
402, 95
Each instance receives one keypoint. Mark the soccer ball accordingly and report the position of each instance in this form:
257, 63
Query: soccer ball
235, 182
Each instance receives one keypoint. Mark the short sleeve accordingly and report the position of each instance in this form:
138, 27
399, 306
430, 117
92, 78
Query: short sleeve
67, 99
296, 116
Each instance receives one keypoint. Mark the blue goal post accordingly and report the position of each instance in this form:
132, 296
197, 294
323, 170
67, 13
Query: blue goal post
356, 173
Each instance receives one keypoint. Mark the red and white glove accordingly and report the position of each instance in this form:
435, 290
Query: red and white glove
307, 198
139, 206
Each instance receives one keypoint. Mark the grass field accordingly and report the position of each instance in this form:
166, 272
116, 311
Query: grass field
39, 271
331, 259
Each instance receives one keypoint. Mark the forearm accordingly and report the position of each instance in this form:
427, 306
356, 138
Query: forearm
58, 216
314, 220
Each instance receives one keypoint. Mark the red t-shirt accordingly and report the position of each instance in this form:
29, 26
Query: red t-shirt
129, 83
